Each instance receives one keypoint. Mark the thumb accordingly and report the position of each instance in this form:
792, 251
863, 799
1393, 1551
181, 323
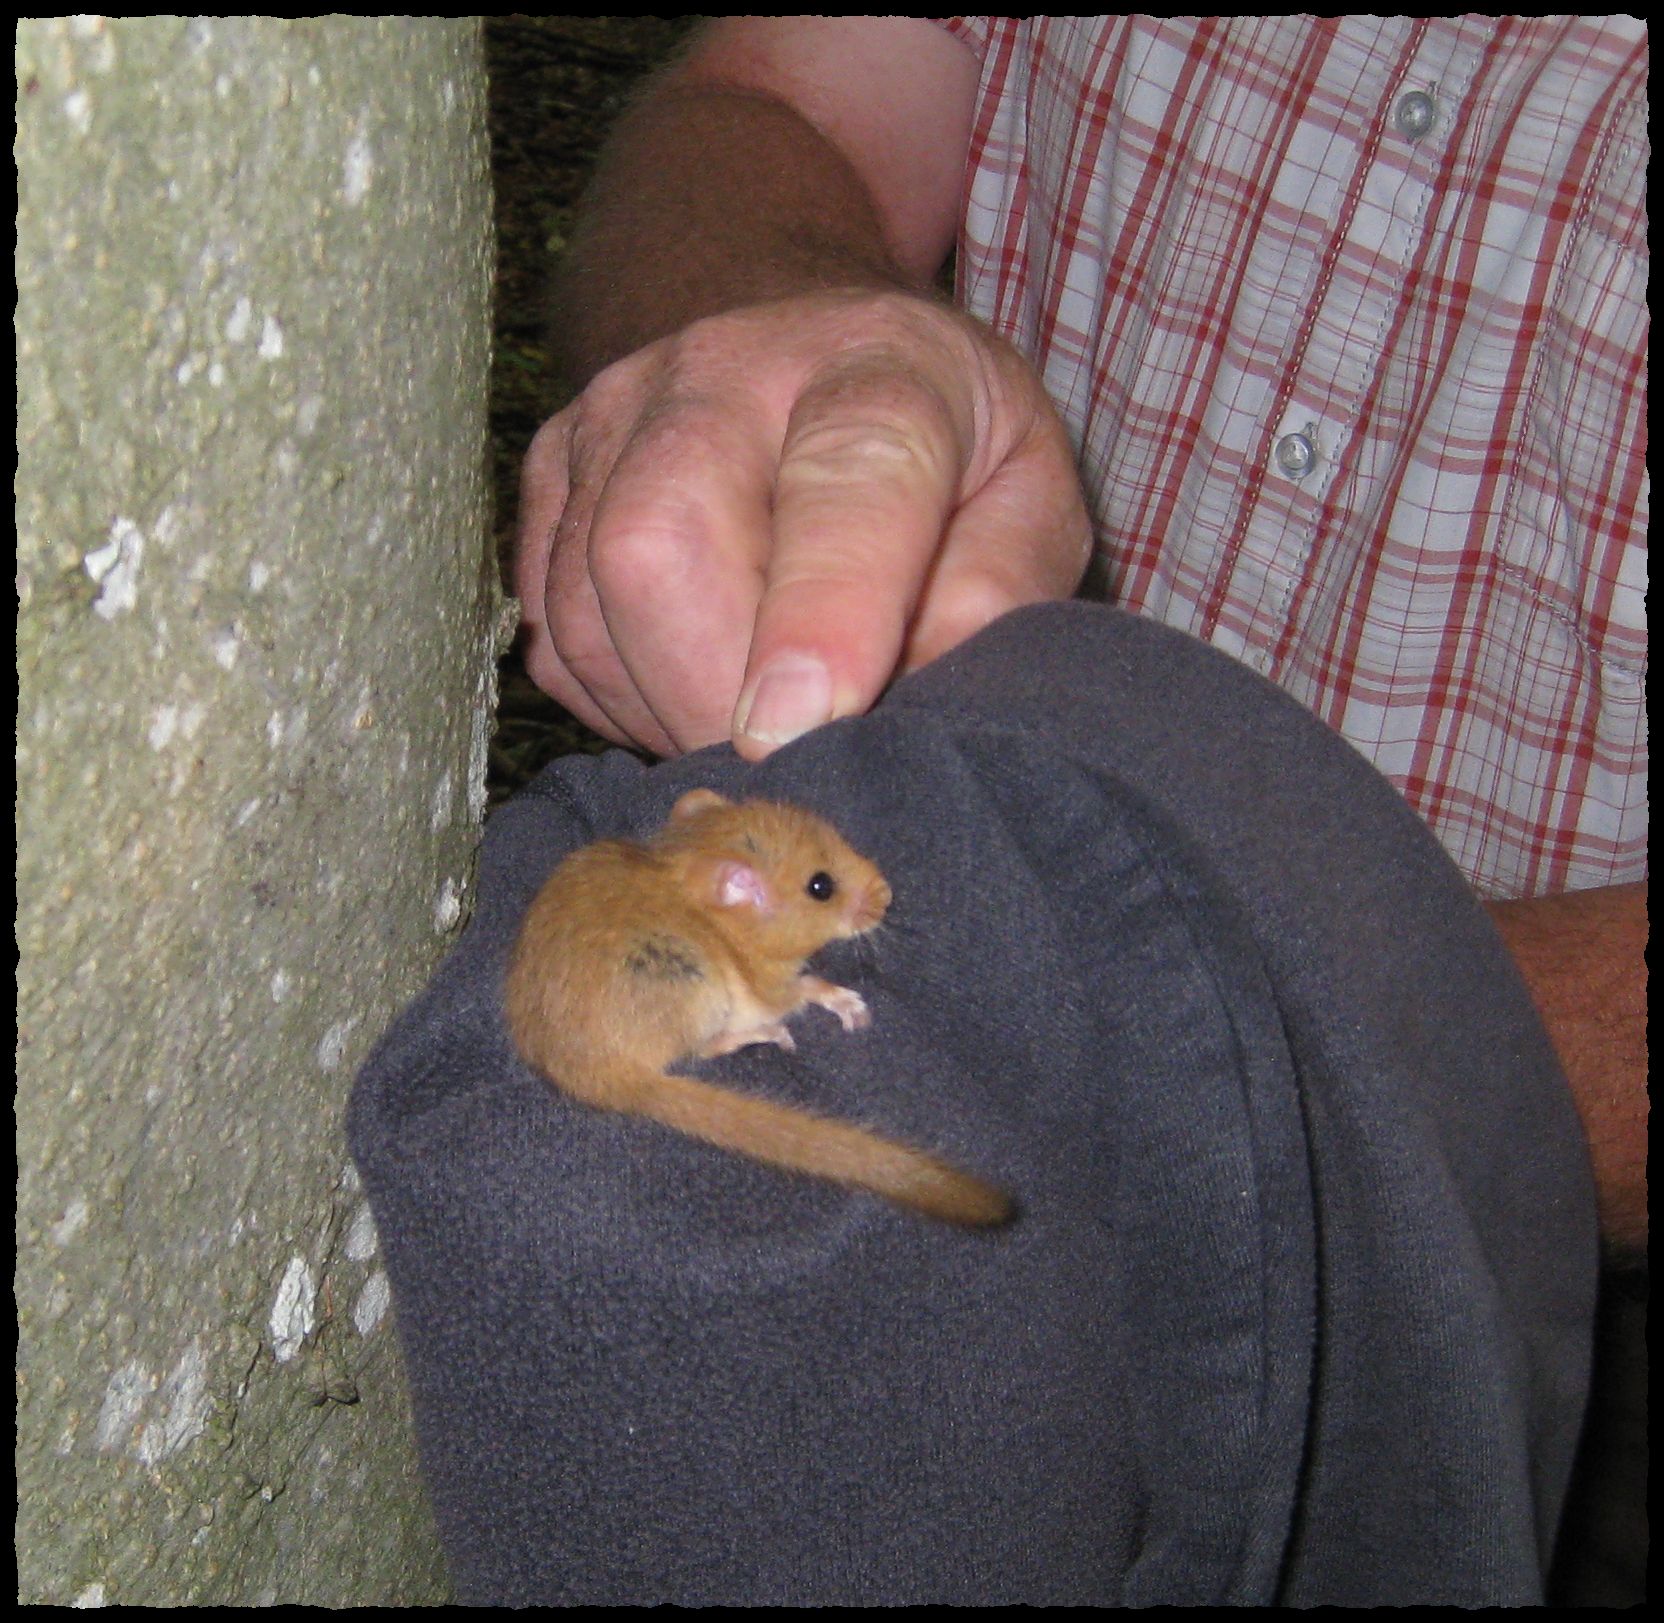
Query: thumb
868, 474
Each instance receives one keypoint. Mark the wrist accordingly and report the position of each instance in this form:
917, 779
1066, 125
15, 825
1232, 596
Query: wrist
708, 199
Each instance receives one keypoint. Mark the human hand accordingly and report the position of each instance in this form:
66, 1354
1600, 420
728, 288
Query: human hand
753, 525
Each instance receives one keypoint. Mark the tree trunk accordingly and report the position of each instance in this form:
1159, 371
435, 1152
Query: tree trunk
255, 639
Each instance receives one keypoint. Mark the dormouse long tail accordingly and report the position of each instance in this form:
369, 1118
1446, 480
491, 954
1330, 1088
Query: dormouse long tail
802, 1142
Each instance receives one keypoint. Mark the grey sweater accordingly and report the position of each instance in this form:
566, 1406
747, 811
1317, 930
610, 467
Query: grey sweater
1297, 1307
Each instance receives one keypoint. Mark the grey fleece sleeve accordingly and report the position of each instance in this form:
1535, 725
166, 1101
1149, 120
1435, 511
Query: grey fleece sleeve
1297, 1307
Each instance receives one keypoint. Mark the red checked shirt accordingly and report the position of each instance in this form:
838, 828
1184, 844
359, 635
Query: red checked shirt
1349, 320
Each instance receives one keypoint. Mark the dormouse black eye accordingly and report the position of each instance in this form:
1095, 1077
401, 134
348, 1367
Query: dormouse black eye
821, 886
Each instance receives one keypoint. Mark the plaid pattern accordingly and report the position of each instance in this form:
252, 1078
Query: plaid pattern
1212, 234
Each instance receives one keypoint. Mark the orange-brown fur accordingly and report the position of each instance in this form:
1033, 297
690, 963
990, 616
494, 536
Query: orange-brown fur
634, 956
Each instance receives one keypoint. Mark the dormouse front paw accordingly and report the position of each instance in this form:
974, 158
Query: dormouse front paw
849, 1006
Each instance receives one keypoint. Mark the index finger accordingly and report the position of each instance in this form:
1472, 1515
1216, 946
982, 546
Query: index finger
676, 552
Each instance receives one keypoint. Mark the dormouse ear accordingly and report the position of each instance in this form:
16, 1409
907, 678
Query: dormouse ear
738, 884
694, 801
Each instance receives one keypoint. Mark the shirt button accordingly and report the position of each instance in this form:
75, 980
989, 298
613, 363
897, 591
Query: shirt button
1296, 455
1414, 114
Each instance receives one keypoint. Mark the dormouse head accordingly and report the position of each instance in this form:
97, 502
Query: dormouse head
776, 873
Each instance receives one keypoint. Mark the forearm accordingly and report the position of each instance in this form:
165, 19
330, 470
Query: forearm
706, 199
1583, 958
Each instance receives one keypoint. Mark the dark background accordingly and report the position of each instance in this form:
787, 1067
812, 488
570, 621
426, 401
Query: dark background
556, 84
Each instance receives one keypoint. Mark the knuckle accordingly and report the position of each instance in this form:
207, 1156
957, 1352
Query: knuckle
709, 347
549, 442
871, 416
979, 597
599, 424
635, 561
834, 449
612, 408
904, 320
621, 383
